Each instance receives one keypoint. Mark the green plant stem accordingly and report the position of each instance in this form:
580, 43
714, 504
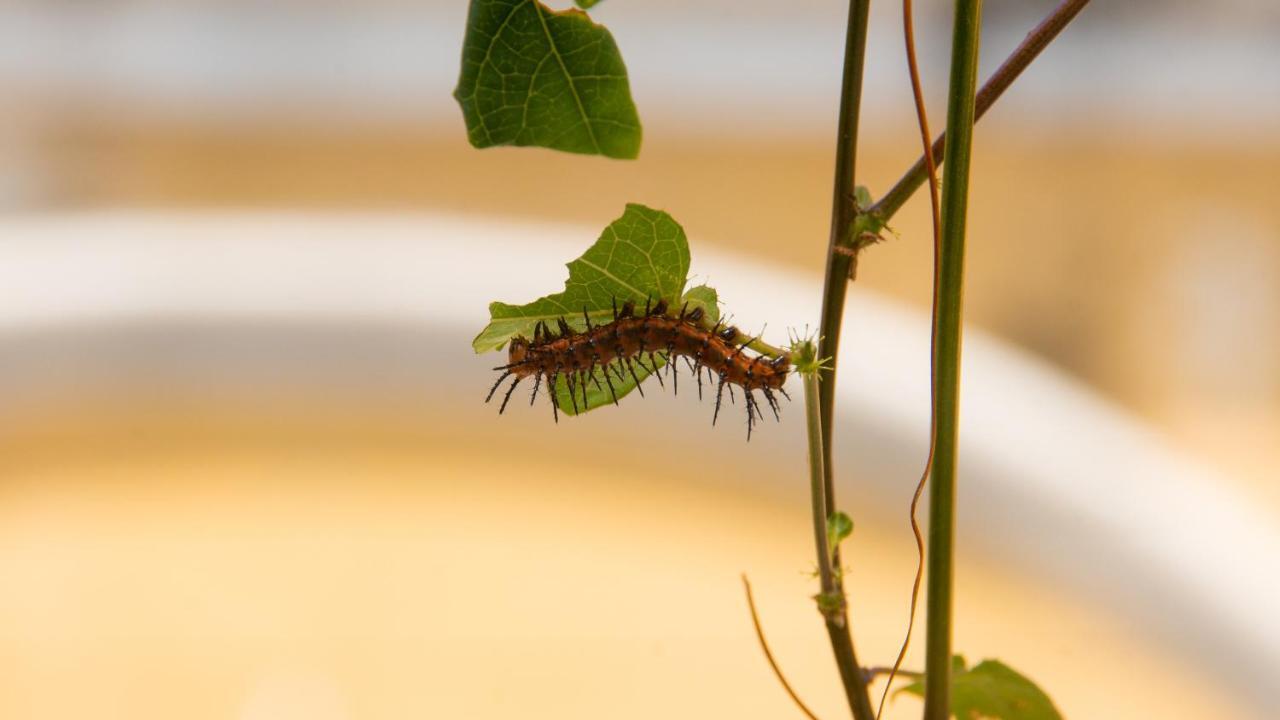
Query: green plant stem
831, 600
946, 358
1021, 57
766, 349
813, 420
843, 212
839, 266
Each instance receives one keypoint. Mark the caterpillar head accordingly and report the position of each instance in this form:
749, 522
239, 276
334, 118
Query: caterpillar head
518, 351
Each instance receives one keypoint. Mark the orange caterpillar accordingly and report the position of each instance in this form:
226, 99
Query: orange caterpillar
624, 342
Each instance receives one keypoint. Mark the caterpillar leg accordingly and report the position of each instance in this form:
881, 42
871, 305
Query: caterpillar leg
773, 403
631, 368
573, 392
674, 370
537, 383
656, 371
555, 401
719, 392
494, 389
609, 382
507, 398
640, 361
617, 370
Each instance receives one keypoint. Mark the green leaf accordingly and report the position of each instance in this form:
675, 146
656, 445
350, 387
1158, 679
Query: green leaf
641, 257
586, 4
534, 76
992, 689
839, 527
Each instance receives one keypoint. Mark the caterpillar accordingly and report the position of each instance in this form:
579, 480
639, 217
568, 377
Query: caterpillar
630, 338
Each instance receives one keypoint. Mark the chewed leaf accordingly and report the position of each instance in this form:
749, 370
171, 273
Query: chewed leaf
994, 690
642, 257
534, 76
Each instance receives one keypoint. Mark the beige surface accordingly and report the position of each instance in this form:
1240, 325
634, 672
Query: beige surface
352, 565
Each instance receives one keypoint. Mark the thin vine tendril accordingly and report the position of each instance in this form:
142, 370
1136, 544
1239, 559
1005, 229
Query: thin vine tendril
926, 138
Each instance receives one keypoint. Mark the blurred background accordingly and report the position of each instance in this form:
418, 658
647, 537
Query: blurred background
261, 516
